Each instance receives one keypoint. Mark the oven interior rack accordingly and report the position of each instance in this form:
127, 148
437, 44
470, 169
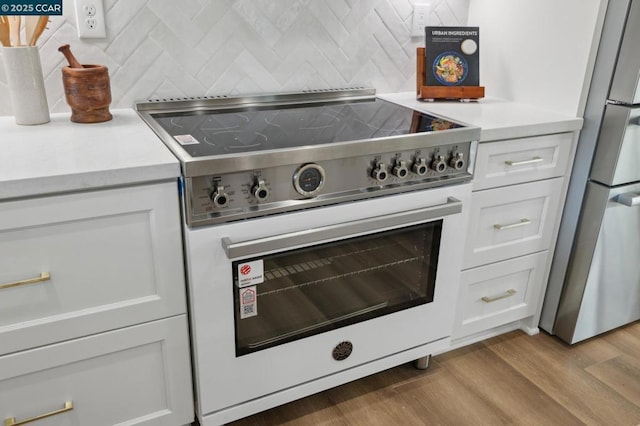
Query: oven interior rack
292, 269
334, 278
424, 92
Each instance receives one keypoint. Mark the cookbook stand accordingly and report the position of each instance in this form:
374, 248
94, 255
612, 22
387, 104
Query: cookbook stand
431, 93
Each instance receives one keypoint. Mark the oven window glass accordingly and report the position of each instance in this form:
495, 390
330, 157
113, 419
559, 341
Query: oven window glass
308, 291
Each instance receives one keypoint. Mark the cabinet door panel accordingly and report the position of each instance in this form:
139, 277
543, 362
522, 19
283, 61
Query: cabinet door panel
512, 221
73, 265
499, 293
522, 160
136, 375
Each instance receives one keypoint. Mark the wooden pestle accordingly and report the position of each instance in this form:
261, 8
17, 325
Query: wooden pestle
66, 51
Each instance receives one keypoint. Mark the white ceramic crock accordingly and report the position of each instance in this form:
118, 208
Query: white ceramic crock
26, 84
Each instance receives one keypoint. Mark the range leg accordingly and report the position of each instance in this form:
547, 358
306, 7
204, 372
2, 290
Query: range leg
422, 363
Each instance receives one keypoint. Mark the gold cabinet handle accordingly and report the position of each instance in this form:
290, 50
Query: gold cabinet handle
524, 162
11, 421
522, 222
508, 293
44, 276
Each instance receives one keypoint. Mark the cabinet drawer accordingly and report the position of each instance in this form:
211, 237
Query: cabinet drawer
78, 264
499, 293
138, 375
512, 221
522, 160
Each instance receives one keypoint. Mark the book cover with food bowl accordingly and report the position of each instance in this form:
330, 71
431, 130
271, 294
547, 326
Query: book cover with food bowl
452, 56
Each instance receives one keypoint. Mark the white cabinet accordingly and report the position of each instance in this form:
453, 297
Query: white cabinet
93, 307
499, 293
511, 221
522, 160
91, 261
519, 189
135, 375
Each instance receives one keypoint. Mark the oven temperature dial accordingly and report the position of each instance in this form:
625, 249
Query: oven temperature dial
379, 172
219, 197
439, 164
457, 161
419, 167
400, 169
260, 190
309, 179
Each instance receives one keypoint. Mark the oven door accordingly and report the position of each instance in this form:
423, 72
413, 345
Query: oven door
291, 294
287, 299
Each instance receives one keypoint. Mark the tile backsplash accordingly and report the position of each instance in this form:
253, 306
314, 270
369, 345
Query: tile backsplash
168, 48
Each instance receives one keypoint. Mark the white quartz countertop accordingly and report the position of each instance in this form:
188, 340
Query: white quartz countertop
497, 118
63, 156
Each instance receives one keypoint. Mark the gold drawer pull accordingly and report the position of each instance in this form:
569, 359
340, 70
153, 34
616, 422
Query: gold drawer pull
11, 421
45, 276
523, 162
508, 293
522, 222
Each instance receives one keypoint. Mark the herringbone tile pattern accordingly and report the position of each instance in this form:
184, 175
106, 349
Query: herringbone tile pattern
168, 48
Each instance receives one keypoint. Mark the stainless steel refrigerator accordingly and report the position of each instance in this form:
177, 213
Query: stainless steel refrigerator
594, 283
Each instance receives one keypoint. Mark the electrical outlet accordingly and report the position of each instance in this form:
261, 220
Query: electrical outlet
89, 9
90, 19
420, 19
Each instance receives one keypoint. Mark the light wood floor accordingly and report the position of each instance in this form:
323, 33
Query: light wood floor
514, 379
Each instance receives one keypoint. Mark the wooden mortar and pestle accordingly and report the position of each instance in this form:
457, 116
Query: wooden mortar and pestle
87, 89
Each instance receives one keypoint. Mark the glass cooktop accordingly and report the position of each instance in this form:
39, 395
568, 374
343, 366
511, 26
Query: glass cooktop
248, 129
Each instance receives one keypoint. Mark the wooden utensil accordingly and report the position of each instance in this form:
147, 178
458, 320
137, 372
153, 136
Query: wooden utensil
38, 25
30, 22
5, 40
14, 29
66, 51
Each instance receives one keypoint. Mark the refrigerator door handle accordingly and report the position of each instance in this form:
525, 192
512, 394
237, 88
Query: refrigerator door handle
628, 199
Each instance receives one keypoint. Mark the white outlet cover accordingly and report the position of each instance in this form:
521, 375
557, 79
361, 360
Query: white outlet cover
420, 19
90, 19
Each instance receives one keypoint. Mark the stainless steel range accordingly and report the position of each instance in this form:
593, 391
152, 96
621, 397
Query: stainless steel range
322, 232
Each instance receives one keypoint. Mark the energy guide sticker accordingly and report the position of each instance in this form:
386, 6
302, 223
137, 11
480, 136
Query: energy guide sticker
248, 302
250, 273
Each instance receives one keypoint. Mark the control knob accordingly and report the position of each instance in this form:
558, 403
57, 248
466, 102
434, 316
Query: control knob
419, 167
439, 163
400, 169
457, 161
219, 197
379, 172
260, 190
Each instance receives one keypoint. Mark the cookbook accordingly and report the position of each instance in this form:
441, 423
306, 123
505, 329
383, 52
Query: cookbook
452, 56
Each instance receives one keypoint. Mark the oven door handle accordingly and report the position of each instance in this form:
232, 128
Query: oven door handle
341, 230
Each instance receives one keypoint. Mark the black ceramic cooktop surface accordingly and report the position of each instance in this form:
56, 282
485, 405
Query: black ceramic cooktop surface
244, 130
